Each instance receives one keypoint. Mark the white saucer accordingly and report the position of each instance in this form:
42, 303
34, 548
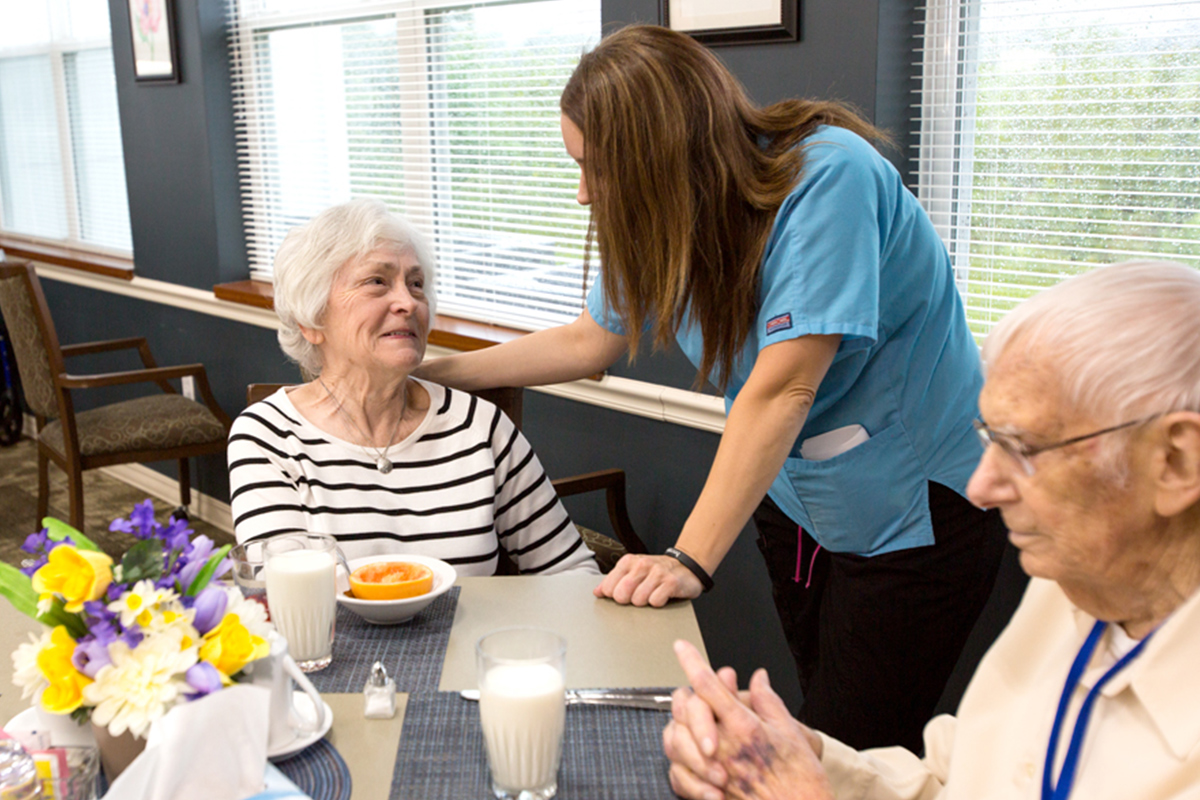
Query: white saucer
304, 706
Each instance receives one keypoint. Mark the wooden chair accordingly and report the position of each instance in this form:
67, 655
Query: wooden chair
607, 550
159, 427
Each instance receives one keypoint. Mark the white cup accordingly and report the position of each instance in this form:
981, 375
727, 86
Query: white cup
522, 708
276, 673
300, 577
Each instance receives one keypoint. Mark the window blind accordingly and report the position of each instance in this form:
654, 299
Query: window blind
31, 169
62, 170
97, 155
1056, 137
447, 113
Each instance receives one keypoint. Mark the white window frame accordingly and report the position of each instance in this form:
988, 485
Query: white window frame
944, 115
944, 147
424, 190
57, 51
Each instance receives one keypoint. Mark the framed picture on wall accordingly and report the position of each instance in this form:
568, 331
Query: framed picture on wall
716, 22
152, 27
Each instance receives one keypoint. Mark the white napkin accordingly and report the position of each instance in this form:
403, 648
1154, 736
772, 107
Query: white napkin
214, 748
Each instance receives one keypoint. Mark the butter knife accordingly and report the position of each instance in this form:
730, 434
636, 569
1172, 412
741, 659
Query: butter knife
658, 699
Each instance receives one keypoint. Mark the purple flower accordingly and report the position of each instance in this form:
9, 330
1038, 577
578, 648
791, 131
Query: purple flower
196, 556
98, 611
132, 637
204, 679
175, 535
121, 524
39, 545
36, 542
105, 629
210, 608
90, 656
142, 516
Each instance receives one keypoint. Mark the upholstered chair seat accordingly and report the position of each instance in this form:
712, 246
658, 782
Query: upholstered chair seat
157, 422
607, 550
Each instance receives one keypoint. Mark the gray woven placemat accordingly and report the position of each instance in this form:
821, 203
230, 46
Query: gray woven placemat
413, 651
608, 753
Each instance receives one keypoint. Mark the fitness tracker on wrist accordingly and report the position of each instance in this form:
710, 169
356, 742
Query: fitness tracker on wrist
683, 558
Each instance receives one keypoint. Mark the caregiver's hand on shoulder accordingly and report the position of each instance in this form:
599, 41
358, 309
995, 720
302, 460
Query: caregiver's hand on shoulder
648, 580
726, 744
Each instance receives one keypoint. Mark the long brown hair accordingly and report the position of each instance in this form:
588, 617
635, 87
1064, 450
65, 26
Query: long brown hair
685, 176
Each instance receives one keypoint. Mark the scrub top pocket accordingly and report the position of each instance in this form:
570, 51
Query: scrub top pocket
868, 500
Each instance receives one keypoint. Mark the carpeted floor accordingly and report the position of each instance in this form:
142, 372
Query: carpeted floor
104, 499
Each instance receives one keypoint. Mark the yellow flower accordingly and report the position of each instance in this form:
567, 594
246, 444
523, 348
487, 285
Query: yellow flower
65, 692
230, 646
77, 575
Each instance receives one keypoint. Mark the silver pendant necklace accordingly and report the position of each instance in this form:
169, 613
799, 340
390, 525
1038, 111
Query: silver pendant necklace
382, 462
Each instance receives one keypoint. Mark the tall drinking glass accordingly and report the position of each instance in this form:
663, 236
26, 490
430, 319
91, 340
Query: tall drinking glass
522, 708
300, 577
248, 562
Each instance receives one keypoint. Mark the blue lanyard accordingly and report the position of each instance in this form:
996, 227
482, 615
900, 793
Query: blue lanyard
1066, 778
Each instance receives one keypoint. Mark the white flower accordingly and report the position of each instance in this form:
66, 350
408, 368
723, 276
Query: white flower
169, 618
250, 613
26, 672
140, 603
140, 685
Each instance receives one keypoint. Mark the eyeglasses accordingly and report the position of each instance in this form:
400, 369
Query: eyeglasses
1023, 453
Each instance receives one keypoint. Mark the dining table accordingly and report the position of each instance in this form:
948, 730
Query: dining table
433, 746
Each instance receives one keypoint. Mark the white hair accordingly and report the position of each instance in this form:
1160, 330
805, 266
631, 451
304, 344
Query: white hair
308, 261
1124, 339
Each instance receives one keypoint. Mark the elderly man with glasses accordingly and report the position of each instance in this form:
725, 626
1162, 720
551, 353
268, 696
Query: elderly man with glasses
1091, 413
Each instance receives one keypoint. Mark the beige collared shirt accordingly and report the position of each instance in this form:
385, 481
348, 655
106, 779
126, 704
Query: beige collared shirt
1142, 743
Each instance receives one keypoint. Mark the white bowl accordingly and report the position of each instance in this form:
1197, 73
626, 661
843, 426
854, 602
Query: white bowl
392, 612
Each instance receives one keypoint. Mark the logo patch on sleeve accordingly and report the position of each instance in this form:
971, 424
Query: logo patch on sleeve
781, 323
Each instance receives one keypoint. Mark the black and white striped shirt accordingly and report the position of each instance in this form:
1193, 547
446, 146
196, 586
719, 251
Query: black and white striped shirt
464, 483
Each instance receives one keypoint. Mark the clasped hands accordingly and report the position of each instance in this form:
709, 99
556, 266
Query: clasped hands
723, 743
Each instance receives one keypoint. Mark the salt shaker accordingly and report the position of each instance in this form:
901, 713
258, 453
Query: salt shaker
379, 694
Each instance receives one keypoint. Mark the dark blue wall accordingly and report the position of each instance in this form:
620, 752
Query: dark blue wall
185, 212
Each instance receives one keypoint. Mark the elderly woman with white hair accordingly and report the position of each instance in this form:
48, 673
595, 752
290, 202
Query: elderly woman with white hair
383, 461
1091, 412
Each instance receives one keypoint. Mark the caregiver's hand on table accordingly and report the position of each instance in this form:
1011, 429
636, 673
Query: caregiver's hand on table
648, 580
728, 744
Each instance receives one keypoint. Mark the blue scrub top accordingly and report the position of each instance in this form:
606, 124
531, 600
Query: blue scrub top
852, 252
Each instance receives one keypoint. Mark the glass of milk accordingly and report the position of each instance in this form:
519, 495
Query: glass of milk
300, 577
522, 707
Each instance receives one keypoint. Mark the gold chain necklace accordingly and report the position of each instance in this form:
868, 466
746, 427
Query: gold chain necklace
382, 462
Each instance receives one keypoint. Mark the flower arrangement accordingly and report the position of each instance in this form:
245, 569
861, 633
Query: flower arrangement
126, 642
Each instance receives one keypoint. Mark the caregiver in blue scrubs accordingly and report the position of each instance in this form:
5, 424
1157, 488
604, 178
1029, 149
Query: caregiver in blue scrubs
787, 259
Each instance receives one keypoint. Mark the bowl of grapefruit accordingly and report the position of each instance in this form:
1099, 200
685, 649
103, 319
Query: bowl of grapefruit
394, 588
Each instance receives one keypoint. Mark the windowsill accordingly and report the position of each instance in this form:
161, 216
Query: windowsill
246, 302
454, 333
450, 332
112, 266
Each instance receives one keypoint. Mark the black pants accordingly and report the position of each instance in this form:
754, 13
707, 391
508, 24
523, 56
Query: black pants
875, 639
